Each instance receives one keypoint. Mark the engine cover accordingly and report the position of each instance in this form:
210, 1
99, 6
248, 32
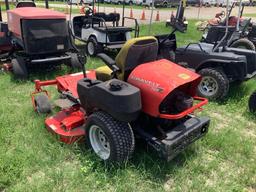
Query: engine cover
159, 78
15, 16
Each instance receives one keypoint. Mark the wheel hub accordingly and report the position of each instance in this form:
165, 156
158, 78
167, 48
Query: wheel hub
208, 86
90, 48
99, 142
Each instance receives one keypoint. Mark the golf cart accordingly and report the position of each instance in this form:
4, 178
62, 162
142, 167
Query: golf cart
241, 33
134, 96
95, 30
37, 39
218, 64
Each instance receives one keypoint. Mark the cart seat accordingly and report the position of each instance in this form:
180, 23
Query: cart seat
206, 47
111, 17
135, 51
113, 29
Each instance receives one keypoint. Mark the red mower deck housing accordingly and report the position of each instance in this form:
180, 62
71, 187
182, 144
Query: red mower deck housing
67, 124
15, 16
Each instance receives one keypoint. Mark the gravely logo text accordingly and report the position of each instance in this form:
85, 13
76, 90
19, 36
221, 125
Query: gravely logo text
155, 86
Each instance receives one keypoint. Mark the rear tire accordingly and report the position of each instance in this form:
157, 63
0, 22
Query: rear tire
214, 84
92, 47
74, 61
112, 140
252, 102
19, 68
243, 44
42, 104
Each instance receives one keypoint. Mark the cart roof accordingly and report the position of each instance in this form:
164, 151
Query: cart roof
36, 13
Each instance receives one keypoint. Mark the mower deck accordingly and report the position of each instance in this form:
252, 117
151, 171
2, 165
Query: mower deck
67, 125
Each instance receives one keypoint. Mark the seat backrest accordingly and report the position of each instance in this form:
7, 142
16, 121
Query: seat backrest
25, 4
136, 51
216, 33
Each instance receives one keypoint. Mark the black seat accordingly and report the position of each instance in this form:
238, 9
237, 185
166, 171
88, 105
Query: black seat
25, 4
215, 33
206, 47
113, 29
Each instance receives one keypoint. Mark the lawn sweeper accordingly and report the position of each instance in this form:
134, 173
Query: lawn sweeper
38, 38
134, 96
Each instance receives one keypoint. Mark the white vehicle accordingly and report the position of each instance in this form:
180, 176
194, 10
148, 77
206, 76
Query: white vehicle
79, 2
146, 3
223, 3
93, 29
209, 3
119, 2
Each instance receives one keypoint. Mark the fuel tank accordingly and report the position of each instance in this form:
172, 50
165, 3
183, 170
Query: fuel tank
156, 80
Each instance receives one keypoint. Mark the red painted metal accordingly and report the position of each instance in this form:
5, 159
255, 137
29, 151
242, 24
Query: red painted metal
198, 106
15, 16
159, 78
7, 67
67, 125
69, 82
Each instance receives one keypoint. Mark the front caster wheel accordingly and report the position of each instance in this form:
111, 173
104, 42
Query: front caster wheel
214, 84
111, 140
42, 104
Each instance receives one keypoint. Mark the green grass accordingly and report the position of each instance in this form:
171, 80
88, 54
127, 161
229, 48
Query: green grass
31, 159
249, 14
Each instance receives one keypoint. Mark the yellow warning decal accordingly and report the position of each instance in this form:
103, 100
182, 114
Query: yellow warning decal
184, 76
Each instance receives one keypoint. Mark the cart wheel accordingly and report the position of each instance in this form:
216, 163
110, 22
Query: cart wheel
252, 102
214, 84
112, 140
19, 68
92, 47
42, 104
243, 44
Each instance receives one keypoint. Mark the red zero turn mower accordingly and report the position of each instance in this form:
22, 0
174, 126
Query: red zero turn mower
139, 96
38, 38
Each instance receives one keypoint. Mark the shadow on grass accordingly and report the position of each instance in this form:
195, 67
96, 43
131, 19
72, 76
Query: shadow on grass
44, 74
237, 91
144, 162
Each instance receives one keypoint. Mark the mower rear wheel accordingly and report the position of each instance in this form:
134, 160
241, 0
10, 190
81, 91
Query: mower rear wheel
19, 68
92, 47
42, 104
243, 44
214, 84
74, 62
252, 102
112, 140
